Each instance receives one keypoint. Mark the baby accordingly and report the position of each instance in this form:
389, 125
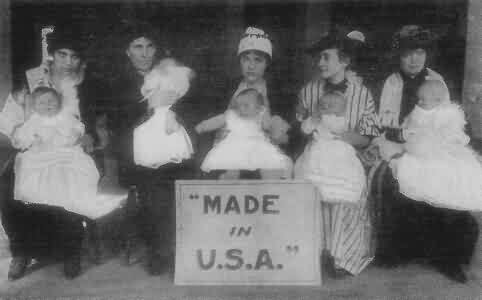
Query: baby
46, 128
327, 161
53, 169
245, 146
160, 139
435, 163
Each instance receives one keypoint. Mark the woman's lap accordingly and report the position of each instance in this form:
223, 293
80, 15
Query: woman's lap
43, 231
411, 230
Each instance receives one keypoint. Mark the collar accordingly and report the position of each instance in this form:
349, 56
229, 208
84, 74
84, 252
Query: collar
336, 87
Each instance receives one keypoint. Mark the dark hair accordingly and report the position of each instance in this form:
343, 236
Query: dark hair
42, 90
259, 96
257, 52
69, 37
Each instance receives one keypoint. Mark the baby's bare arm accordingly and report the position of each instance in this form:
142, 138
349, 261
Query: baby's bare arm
211, 124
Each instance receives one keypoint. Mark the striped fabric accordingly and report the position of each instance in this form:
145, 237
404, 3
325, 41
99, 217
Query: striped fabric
346, 228
361, 111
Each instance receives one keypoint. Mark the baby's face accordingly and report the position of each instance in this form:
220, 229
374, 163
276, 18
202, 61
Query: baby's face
247, 105
428, 98
47, 105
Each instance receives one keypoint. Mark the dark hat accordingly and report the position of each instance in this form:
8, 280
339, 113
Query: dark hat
342, 41
67, 37
411, 37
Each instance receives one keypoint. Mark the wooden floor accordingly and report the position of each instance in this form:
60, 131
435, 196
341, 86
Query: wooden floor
111, 280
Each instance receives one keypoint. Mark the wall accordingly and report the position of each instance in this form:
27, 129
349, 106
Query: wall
473, 68
5, 65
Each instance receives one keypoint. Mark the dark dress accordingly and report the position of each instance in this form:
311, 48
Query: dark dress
409, 230
154, 219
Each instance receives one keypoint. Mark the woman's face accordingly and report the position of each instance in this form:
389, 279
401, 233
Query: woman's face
47, 105
65, 61
330, 64
142, 52
412, 62
253, 66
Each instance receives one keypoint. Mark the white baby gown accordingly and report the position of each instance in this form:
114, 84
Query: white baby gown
245, 147
438, 167
332, 165
54, 171
153, 147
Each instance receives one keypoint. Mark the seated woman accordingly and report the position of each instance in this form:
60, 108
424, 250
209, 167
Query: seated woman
255, 57
438, 178
346, 228
42, 230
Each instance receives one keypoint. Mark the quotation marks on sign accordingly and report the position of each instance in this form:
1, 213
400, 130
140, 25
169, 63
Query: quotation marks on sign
238, 231
292, 249
193, 196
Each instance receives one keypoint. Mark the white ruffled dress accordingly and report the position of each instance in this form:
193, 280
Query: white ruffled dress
153, 147
333, 167
245, 147
438, 167
54, 171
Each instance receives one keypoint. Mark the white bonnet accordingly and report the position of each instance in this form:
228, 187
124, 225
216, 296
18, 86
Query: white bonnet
255, 39
167, 75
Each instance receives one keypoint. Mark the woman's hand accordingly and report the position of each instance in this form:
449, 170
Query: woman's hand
278, 130
389, 149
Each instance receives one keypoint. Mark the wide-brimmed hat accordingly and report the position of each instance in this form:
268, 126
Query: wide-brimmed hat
349, 42
411, 37
68, 37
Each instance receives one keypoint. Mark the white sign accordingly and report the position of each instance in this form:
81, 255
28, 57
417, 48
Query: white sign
252, 232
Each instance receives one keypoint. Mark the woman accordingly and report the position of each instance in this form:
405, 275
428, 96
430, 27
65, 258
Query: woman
154, 219
35, 230
346, 227
255, 52
409, 230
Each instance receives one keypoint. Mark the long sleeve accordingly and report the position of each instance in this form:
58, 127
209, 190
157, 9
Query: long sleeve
369, 124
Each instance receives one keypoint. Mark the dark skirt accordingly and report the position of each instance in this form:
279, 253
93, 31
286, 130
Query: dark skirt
153, 218
35, 230
409, 230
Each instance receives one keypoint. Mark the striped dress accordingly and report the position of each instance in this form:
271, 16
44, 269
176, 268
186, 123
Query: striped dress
346, 228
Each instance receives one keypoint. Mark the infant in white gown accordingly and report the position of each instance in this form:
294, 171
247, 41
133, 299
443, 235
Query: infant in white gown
246, 146
437, 166
53, 169
160, 139
330, 163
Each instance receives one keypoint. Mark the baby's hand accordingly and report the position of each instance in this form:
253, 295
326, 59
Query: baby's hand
308, 125
172, 125
87, 143
199, 128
